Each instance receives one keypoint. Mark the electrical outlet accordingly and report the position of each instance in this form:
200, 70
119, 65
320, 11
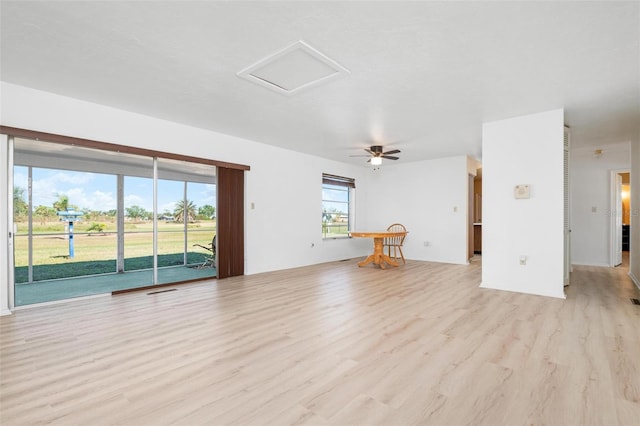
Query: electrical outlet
523, 260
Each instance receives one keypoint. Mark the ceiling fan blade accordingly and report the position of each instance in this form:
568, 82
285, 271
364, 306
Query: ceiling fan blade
390, 158
363, 155
395, 151
369, 151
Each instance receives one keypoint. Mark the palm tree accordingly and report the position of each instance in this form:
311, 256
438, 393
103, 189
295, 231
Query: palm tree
185, 209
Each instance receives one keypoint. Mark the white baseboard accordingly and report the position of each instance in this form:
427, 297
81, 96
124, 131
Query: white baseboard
5, 312
559, 295
635, 280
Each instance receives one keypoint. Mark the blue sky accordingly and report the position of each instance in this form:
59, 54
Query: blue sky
335, 197
96, 191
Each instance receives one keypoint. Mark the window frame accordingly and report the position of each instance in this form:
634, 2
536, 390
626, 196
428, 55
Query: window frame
349, 185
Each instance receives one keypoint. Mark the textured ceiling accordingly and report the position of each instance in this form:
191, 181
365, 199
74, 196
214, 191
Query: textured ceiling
423, 78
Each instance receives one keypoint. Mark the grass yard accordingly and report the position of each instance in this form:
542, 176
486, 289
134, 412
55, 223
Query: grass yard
96, 253
335, 229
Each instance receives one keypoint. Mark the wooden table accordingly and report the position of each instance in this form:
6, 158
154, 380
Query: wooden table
378, 257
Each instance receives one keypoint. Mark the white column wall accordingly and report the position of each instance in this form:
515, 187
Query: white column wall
523, 150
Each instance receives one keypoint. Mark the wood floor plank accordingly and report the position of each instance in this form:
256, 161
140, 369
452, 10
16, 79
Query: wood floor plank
330, 344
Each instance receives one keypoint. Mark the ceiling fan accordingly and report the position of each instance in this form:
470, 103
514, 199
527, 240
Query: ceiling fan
376, 152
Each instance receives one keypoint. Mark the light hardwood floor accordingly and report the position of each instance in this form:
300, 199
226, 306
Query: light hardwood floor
331, 344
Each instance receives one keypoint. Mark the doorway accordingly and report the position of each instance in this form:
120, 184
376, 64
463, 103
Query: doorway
476, 214
620, 213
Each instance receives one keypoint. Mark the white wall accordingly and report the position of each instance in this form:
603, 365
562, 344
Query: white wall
4, 257
286, 192
634, 270
284, 186
422, 196
523, 150
591, 188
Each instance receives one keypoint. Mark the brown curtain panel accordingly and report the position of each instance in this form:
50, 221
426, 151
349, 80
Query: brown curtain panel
230, 214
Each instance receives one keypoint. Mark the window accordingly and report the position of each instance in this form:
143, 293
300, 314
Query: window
337, 194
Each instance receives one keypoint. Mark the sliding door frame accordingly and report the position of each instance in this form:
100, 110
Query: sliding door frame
106, 146
234, 259
10, 217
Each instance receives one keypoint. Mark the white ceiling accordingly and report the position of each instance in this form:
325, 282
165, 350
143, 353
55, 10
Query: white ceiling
423, 78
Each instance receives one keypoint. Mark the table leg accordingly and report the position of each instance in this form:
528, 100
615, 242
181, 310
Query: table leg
378, 257
389, 260
367, 261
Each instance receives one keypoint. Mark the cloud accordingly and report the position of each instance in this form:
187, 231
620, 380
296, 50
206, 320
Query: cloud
44, 192
135, 200
210, 193
203, 194
98, 200
96, 191
47, 187
73, 178
20, 180
170, 206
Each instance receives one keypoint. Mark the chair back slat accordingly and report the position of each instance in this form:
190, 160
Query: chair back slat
396, 241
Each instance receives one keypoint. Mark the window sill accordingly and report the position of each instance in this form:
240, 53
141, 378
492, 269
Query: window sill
341, 237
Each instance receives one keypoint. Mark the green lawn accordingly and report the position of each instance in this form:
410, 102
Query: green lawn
335, 229
96, 253
77, 269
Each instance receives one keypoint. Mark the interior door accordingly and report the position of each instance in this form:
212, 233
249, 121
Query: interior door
618, 220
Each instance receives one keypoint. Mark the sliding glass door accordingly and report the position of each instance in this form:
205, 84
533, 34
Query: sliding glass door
90, 221
186, 218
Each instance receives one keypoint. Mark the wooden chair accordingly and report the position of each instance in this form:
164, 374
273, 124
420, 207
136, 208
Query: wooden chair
210, 260
395, 242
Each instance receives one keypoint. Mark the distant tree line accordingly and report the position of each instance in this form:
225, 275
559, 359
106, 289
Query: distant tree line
183, 210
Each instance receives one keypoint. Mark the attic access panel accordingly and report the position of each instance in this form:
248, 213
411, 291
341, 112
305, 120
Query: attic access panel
293, 69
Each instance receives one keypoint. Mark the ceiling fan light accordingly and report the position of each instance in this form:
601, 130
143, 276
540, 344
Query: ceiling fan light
376, 161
